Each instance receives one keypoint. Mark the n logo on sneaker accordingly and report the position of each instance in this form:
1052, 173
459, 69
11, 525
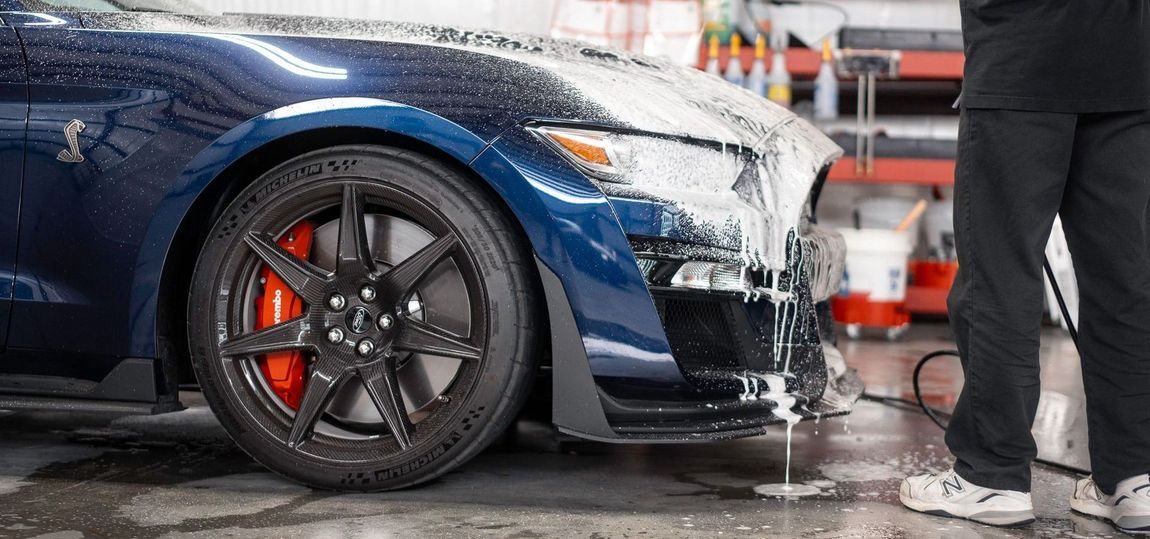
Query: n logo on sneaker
952, 485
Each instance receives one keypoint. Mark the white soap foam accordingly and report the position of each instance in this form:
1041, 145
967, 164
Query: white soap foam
647, 94
784, 404
787, 490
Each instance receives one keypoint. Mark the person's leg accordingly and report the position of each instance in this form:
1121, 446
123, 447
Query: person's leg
1105, 215
1012, 169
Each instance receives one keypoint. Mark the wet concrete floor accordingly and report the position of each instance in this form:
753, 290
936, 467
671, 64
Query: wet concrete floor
72, 475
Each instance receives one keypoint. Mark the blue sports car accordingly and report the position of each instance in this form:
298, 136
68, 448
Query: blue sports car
369, 242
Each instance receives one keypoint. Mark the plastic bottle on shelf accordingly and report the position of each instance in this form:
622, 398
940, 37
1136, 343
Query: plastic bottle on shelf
735, 74
827, 86
713, 57
717, 17
779, 80
757, 80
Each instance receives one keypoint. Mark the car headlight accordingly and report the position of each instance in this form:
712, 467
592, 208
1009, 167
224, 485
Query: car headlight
749, 197
600, 154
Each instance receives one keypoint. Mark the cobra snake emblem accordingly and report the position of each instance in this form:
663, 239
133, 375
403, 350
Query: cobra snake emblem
72, 132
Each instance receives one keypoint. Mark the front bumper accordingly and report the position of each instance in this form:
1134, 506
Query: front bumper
614, 373
724, 419
719, 339
714, 338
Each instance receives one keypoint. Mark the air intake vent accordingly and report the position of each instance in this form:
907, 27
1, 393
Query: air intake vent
700, 335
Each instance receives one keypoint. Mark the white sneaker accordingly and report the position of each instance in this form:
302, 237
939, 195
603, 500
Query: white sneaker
948, 495
1128, 508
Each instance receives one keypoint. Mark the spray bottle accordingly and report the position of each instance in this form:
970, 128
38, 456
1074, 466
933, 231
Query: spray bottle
779, 80
827, 86
735, 74
713, 57
757, 80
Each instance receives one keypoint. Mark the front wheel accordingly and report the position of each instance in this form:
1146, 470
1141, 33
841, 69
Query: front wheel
363, 318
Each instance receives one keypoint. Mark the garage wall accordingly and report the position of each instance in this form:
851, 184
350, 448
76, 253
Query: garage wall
509, 15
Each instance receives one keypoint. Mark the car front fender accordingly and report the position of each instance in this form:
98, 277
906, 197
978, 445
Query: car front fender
581, 249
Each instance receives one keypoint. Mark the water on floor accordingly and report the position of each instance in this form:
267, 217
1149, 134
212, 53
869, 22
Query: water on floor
178, 475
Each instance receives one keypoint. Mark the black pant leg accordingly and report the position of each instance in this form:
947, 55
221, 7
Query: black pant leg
1104, 213
1012, 169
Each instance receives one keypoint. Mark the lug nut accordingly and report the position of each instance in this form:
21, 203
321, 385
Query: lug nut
365, 347
386, 321
335, 335
336, 302
367, 293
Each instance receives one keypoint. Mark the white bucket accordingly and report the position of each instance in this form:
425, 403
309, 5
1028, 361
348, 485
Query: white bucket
887, 213
877, 263
940, 230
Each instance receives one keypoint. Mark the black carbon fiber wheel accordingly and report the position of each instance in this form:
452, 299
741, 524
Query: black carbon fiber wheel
413, 320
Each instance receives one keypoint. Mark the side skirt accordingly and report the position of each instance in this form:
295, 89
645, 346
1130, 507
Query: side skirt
56, 404
130, 387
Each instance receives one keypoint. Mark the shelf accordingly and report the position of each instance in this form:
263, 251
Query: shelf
932, 65
927, 172
804, 63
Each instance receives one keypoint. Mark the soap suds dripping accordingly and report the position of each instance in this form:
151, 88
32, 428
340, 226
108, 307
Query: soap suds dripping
786, 317
777, 393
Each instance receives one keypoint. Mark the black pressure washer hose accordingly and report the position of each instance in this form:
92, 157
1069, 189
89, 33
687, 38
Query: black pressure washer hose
937, 416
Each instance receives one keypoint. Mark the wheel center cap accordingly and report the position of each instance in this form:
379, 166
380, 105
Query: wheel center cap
358, 320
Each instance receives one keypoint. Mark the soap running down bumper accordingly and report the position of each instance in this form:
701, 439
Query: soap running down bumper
714, 269
728, 347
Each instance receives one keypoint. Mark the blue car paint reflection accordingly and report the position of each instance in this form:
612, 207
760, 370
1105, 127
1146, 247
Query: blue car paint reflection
168, 113
96, 255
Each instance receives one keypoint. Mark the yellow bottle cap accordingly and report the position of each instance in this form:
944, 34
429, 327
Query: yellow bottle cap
714, 52
828, 55
781, 94
761, 47
736, 44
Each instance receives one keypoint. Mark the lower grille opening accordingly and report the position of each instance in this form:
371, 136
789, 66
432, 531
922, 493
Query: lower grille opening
700, 334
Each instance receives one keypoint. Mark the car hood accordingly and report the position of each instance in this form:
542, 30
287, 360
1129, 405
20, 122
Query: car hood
748, 190
635, 91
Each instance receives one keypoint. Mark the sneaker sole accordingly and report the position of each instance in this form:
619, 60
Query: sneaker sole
1131, 525
1000, 519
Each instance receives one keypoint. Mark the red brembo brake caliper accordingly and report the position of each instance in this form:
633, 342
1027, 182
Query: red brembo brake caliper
284, 370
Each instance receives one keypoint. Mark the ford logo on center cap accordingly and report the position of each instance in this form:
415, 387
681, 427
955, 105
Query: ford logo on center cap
358, 320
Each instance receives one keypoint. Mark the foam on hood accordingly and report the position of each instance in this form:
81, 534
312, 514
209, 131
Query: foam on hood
645, 93
642, 93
